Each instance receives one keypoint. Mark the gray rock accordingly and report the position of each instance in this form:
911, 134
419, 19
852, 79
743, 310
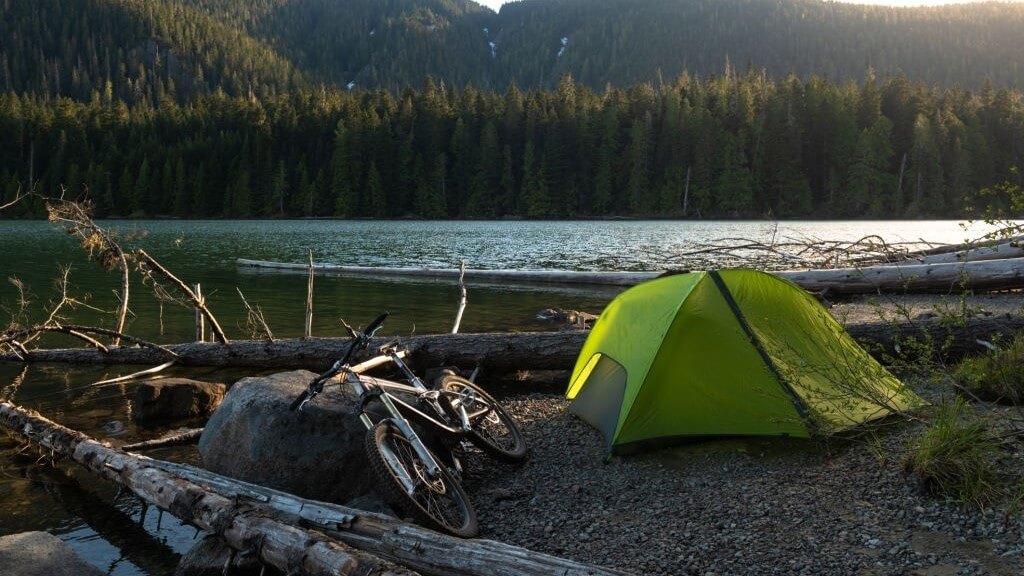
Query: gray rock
40, 554
170, 399
317, 452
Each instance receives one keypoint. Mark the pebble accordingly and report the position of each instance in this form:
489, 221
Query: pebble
799, 508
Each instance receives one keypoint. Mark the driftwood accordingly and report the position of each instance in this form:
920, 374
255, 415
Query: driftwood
242, 525
952, 277
286, 531
499, 352
1011, 249
177, 438
537, 276
308, 331
136, 375
462, 298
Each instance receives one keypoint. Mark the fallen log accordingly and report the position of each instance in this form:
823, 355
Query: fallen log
242, 525
943, 277
949, 278
1005, 250
538, 276
284, 530
504, 352
498, 352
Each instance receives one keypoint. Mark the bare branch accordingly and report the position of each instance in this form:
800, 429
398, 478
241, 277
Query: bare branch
462, 299
18, 197
13, 336
76, 217
255, 321
308, 333
136, 375
153, 266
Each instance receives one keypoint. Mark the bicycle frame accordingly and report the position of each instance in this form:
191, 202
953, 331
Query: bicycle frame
400, 412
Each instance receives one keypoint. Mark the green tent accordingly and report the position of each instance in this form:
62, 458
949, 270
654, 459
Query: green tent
736, 352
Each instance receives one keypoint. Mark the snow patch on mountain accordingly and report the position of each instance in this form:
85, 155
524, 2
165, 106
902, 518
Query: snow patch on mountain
565, 43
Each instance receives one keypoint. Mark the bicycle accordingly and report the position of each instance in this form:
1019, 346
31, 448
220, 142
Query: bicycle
455, 410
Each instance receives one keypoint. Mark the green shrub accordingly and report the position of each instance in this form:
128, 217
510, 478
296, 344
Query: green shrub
997, 375
956, 457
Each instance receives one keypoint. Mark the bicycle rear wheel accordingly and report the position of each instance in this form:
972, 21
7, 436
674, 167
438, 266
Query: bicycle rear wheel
440, 503
492, 429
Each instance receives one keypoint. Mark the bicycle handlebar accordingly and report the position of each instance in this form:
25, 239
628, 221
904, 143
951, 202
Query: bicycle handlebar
372, 327
360, 341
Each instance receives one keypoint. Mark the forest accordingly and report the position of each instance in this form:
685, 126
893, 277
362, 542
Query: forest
734, 144
547, 109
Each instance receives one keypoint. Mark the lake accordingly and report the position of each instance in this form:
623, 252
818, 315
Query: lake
76, 508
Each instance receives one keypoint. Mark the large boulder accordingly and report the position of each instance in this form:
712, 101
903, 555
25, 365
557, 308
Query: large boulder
170, 399
317, 452
40, 554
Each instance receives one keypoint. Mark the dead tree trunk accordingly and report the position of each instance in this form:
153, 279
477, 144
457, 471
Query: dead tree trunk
1003, 251
949, 278
244, 526
889, 278
498, 352
286, 531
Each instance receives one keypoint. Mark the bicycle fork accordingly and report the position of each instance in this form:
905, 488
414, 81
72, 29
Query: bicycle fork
433, 469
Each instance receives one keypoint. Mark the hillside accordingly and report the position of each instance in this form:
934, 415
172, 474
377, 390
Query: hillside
628, 41
149, 49
132, 50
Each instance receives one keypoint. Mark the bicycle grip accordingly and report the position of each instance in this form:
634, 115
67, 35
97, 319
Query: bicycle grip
375, 324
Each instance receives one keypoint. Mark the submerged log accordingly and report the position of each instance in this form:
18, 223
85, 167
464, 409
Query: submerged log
283, 530
942, 277
537, 276
500, 352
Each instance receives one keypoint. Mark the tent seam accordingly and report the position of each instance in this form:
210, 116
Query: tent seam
798, 403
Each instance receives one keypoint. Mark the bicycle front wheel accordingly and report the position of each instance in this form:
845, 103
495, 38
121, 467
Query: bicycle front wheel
492, 429
439, 503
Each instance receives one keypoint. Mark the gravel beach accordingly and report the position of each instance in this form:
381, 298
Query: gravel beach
751, 506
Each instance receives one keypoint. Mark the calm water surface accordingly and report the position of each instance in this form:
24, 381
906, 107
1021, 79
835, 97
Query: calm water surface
77, 508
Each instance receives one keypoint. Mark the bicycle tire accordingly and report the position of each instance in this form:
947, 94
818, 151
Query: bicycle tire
496, 432
440, 505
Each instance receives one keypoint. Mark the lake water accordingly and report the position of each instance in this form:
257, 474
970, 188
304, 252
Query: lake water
76, 508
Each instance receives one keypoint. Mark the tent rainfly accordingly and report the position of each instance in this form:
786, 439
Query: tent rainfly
730, 353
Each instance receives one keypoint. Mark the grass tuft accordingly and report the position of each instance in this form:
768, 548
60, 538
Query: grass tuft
956, 457
997, 375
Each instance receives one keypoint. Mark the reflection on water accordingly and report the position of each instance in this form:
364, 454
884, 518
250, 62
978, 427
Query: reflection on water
78, 508
72, 504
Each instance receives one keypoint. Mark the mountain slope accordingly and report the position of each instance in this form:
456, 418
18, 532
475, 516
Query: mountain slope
147, 49
628, 41
144, 50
